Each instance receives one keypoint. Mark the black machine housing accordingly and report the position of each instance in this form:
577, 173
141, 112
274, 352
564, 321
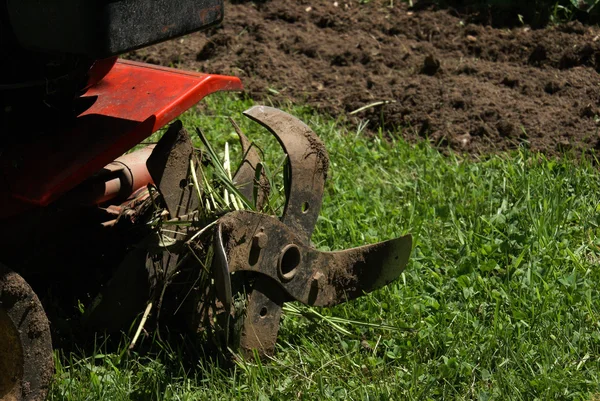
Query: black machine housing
49, 46
103, 28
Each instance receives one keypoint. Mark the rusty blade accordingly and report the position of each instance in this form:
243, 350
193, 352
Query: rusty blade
261, 323
307, 275
308, 162
245, 176
354, 272
169, 166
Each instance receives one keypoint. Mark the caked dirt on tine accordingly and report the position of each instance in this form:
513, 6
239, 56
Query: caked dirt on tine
474, 88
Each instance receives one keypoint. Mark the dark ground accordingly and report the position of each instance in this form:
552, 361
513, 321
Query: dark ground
474, 88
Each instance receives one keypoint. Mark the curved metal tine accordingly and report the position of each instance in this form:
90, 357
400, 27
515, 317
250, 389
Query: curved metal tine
169, 165
245, 176
308, 162
365, 269
220, 269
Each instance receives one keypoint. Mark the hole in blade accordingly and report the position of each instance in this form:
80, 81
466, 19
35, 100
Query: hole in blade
288, 261
254, 254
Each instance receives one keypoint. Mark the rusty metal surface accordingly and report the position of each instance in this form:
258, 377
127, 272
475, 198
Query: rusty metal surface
308, 162
169, 166
261, 323
307, 275
26, 363
116, 182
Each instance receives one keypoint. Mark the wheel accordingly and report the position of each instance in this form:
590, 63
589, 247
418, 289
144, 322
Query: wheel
26, 363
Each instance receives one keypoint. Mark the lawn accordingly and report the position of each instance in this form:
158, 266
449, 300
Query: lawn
499, 300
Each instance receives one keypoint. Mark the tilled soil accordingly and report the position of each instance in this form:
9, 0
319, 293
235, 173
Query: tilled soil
473, 88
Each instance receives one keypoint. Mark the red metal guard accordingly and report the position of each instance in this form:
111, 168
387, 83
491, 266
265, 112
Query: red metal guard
128, 105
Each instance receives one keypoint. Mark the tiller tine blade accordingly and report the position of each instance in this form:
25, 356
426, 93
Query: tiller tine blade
250, 174
262, 244
308, 165
278, 250
169, 166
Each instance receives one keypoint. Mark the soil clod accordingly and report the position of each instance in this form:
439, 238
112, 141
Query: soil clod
431, 65
442, 74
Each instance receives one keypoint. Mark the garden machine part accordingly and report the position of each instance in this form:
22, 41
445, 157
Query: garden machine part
279, 251
271, 255
103, 236
25, 345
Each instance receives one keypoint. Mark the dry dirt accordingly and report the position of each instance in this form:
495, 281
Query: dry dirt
471, 87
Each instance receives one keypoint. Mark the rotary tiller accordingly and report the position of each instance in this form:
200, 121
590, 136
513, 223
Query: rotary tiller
83, 217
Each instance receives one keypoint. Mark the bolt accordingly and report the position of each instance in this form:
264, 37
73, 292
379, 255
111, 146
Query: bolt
317, 276
260, 240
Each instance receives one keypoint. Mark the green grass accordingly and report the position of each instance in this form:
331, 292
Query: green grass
500, 297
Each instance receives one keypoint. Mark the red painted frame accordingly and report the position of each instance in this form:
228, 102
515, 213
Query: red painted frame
128, 105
